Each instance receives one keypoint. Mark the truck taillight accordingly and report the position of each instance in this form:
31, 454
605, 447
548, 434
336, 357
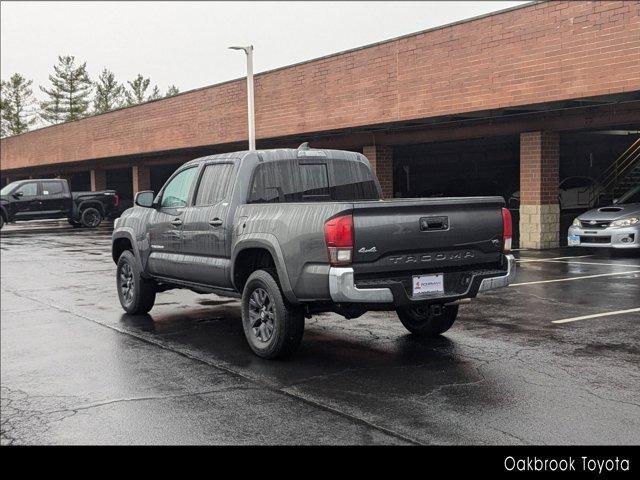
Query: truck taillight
116, 200
507, 230
338, 233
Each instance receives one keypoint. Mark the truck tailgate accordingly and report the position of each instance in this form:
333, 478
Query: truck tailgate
428, 234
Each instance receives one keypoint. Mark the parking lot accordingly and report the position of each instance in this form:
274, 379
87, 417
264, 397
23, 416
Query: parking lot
552, 359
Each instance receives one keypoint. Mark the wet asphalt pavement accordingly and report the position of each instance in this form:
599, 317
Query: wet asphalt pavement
76, 370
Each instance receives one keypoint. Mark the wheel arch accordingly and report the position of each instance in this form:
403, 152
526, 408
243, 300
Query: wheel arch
253, 250
124, 240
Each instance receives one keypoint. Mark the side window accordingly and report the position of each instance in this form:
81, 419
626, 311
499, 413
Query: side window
176, 193
28, 189
274, 182
52, 188
214, 184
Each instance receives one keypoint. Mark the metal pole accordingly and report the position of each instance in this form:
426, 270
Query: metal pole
251, 122
250, 101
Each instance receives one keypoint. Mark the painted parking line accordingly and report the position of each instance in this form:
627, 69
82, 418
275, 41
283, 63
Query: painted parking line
570, 262
550, 259
568, 279
597, 315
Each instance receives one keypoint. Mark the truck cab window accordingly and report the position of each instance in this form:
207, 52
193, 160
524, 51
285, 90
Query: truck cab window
214, 184
176, 192
28, 189
52, 188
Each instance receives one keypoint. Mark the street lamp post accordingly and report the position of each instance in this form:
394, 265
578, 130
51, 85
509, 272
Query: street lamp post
250, 103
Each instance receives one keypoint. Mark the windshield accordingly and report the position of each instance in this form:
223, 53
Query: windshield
7, 188
632, 196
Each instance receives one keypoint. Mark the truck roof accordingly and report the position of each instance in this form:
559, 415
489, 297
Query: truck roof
284, 154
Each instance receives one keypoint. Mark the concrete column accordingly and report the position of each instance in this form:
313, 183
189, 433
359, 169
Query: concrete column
381, 159
141, 178
98, 180
539, 178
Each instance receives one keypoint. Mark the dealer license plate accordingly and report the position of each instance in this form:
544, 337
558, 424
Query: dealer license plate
425, 284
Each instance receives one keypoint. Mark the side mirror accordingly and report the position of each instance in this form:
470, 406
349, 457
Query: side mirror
18, 194
145, 199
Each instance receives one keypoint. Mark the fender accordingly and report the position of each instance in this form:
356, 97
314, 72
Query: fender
91, 203
270, 243
127, 232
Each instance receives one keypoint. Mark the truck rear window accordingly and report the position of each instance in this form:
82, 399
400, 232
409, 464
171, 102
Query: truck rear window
312, 181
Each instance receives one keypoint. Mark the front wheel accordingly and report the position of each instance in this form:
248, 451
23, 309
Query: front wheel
137, 295
91, 217
421, 321
272, 327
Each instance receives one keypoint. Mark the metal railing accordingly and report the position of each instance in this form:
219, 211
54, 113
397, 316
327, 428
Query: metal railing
617, 171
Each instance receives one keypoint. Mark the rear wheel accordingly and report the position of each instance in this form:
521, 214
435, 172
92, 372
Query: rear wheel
421, 321
273, 328
137, 295
91, 217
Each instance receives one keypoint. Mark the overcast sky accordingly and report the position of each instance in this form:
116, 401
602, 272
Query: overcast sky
185, 43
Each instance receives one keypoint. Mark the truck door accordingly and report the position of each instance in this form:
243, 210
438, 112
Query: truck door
165, 225
55, 200
25, 200
206, 228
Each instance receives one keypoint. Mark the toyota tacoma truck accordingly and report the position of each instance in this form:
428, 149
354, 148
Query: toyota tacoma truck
50, 198
297, 232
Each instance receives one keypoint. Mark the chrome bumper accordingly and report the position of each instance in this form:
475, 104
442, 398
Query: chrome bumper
342, 286
502, 281
343, 289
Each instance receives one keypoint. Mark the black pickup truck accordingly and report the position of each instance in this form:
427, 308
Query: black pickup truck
50, 198
299, 232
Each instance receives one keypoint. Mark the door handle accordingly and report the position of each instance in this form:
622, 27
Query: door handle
177, 222
216, 222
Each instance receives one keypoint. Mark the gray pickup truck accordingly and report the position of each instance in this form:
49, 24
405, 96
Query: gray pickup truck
295, 232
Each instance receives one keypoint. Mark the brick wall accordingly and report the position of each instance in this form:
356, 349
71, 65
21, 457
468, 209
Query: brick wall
539, 168
381, 159
538, 53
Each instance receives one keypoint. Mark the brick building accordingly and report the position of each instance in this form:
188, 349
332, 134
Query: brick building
505, 104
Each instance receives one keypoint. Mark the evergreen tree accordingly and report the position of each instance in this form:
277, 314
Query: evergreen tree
109, 94
171, 91
69, 92
136, 92
155, 94
16, 105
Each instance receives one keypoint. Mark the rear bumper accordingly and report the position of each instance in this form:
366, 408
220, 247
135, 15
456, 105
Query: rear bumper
343, 289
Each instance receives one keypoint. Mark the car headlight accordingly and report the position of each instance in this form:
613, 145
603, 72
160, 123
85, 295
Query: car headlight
576, 222
625, 222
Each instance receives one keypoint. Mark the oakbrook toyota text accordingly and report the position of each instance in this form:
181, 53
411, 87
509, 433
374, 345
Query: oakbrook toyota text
569, 464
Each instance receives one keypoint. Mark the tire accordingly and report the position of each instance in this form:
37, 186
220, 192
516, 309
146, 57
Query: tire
91, 217
419, 321
138, 295
272, 327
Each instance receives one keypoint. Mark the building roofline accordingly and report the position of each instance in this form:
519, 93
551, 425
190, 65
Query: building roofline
304, 62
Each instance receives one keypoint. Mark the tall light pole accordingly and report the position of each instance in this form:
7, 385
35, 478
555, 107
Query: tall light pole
250, 104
